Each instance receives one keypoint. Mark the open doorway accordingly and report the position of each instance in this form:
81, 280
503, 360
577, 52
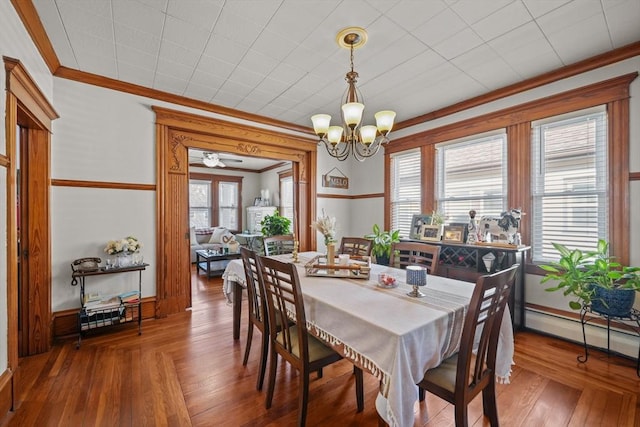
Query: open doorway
226, 190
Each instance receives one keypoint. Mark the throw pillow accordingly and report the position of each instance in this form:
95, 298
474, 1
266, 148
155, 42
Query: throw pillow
216, 236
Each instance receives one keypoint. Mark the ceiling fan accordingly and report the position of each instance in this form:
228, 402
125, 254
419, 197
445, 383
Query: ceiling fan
213, 160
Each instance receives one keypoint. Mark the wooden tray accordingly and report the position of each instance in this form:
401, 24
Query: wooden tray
357, 268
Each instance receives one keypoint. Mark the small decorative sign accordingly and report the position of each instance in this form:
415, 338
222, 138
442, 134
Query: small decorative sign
335, 181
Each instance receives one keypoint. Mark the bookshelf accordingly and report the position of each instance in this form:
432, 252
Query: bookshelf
99, 312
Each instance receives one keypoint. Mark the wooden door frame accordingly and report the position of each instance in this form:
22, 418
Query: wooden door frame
28, 107
176, 132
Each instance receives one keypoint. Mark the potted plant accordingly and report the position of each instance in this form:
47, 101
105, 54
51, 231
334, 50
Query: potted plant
275, 225
594, 279
382, 241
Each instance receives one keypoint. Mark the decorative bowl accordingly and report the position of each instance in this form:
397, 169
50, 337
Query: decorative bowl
387, 281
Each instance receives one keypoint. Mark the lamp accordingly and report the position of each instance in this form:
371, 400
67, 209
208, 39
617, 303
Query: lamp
349, 138
416, 276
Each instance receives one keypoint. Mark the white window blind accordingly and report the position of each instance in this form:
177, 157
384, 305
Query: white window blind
569, 184
228, 205
472, 175
199, 203
406, 190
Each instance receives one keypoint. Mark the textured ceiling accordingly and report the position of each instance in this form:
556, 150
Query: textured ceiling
279, 58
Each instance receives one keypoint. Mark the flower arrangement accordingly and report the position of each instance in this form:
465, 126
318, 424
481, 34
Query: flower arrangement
326, 225
127, 245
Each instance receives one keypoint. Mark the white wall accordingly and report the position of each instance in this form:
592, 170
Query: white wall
14, 43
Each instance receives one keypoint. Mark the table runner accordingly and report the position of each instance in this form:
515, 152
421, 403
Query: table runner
395, 337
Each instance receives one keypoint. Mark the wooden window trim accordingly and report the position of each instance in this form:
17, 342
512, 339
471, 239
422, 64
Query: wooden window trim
215, 181
614, 93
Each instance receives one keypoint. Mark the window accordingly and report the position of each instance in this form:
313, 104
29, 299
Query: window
214, 200
286, 195
228, 205
569, 183
406, 190
471, 175
199, 203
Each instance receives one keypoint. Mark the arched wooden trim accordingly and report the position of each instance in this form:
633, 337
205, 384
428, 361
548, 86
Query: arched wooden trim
176, 132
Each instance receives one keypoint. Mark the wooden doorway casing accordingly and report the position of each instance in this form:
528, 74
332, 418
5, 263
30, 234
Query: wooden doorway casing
27, 108
178, 131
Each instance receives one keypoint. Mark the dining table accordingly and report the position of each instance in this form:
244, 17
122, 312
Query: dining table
394, 336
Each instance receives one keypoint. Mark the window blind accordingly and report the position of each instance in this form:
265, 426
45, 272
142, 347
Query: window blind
228, 205
199, 203
569, 183
472, 175
406, 189
286, 198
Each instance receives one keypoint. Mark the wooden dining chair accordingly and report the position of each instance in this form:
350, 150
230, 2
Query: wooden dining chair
276, 245
257, 312
355, 246
415, 253
460, 378
293, 343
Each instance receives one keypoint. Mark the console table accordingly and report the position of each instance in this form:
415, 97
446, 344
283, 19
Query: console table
464, 262
123, 309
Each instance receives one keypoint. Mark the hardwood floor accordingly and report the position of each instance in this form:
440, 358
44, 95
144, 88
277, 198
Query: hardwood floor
186, 370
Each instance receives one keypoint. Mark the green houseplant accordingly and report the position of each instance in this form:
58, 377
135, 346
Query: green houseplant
275, 225
382, 241
594, 279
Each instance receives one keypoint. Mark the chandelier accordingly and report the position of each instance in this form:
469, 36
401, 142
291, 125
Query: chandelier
350, 137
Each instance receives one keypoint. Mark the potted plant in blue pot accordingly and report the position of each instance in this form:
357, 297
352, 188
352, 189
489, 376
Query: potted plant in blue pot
594, 279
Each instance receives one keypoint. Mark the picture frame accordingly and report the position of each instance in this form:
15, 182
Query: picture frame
453, 234
416, 225
430, 233
257, 201
465, 228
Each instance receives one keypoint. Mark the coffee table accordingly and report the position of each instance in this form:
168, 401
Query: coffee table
213, 263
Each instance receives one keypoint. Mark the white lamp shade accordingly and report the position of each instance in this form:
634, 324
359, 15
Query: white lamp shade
368, 134
384, 121
352, 113
334, 134
321, 123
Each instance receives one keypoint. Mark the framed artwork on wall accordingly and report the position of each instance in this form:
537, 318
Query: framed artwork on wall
430, 233
416, 225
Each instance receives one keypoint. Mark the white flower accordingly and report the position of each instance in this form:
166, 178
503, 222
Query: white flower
326, 225
128, 244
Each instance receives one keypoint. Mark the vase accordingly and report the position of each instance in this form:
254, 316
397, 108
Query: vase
124, 260
331, 253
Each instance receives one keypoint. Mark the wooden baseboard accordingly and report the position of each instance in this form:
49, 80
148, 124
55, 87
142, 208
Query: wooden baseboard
6, 394
65, 322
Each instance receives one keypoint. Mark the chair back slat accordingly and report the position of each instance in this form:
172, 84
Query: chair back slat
284, 304
404, 254
358, 246
482, 328
257, 310
277, 245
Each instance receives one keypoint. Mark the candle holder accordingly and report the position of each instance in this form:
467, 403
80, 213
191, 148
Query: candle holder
294, 253
416, 276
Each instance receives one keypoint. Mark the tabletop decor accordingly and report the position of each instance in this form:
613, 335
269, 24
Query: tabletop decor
124, 249
416, 277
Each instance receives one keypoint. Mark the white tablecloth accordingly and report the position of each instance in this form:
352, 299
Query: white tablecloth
394, 336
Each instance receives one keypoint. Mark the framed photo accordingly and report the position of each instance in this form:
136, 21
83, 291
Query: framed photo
257, 201
453, 234
465, 228
430, 233
416, 225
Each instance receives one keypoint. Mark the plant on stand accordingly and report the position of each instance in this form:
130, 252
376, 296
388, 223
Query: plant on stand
275, 225
382, 241
594, 279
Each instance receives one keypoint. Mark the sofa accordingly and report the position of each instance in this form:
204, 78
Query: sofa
214, 238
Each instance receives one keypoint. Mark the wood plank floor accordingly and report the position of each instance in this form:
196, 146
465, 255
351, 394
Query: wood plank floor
186, 370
